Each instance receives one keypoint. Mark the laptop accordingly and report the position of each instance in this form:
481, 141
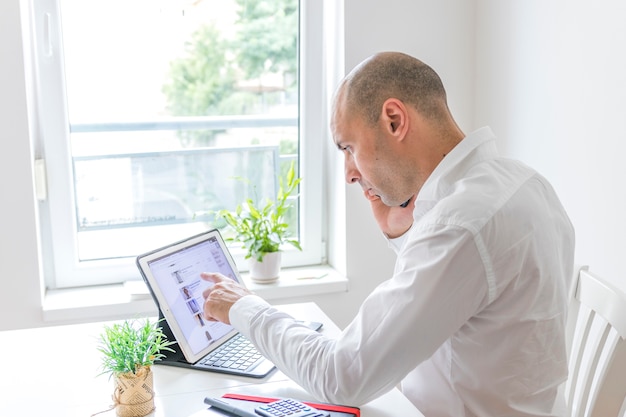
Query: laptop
172, 274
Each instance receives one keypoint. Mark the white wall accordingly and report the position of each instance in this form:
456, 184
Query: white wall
552, 84
20, 293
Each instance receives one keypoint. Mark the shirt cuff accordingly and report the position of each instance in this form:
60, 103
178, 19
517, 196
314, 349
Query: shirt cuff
244, 310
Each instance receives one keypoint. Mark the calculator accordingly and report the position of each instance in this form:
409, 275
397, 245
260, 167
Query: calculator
288, 407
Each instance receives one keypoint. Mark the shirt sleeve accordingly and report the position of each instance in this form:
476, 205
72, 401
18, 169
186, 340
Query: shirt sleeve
401, 324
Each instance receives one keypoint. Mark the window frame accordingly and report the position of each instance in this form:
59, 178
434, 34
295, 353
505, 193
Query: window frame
57, 216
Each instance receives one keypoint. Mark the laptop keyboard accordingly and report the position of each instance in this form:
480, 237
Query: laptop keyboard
236, 354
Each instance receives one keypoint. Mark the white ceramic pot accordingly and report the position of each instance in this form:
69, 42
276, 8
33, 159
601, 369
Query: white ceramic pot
266, 271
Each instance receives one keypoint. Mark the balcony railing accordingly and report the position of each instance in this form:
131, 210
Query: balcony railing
173, 186
187, 123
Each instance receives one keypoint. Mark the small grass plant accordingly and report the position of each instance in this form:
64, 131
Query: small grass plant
131, 345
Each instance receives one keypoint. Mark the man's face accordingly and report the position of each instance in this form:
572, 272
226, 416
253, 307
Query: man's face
369, 156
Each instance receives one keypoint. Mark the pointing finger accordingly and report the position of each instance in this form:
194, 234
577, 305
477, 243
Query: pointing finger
212, 276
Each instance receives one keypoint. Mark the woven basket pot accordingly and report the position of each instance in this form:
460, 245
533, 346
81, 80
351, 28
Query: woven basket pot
134, 393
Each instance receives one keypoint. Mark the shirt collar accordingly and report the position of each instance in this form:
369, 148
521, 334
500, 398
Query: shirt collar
478, 145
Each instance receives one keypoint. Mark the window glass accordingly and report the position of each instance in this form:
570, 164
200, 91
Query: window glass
172, 110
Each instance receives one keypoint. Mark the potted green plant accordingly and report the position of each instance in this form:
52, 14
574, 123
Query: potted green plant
261, 228
129, 349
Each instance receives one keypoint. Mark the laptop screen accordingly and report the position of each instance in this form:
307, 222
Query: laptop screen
173, 275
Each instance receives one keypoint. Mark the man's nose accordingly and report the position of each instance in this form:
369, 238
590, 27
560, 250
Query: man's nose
352, 173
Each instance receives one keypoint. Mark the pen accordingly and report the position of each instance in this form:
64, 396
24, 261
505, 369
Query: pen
317, 277
224, 406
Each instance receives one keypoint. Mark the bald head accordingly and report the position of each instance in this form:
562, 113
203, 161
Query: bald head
391, 121
393, 75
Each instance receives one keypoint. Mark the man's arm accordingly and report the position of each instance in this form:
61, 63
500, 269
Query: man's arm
399, 325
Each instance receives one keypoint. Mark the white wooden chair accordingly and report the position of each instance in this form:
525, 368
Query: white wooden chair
596, 334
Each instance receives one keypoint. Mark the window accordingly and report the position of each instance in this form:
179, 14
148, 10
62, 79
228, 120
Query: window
149, 109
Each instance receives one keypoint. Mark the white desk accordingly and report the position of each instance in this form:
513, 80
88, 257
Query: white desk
52, 372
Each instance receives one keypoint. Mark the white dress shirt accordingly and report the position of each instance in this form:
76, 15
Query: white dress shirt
472, 321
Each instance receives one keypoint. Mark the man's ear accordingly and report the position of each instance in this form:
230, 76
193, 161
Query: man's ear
395, 117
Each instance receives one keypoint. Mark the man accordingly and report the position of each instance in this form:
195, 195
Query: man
472, 321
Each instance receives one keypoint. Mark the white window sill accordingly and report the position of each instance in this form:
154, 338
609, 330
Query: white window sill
109, 302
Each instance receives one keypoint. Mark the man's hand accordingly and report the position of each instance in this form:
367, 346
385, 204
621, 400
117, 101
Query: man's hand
221, 296
393, 221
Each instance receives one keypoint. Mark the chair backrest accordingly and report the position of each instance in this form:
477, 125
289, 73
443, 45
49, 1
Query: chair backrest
596, 333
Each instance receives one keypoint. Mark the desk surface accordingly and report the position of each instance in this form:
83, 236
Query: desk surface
52, 371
